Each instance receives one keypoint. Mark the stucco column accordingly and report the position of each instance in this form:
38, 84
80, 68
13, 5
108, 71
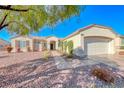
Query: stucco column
31, 44
56, 45
82, 41
48, 45
13, 45
40, 46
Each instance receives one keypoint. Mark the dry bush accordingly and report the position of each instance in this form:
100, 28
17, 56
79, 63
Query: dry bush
9, 49
46, 55
29, 49
103, 74
121, 53
69, 56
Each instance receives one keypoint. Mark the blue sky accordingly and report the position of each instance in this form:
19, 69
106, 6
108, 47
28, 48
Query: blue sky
112, 16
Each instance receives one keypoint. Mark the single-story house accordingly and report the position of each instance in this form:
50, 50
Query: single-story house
3, 44
90, 40
33, 43
94, 40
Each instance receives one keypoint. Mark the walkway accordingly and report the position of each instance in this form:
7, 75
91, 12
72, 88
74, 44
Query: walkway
80, 69
59, 61
64, 63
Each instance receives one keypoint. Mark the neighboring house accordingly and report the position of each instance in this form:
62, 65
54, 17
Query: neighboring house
3, 44
91, 40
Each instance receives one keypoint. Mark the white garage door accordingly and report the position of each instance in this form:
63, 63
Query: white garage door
96, 45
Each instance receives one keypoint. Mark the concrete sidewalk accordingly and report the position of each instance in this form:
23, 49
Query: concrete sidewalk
62, 63
59, 61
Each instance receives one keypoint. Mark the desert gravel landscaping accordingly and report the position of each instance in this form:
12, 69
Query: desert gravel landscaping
31, 70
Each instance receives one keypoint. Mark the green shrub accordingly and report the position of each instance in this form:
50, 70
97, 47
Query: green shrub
46, 55
70, 48
69, 55
121, 47
60, 44
65, 46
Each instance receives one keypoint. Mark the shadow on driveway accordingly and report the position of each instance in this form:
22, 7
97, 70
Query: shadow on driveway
3, 56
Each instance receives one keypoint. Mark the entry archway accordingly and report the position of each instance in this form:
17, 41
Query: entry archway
52, 45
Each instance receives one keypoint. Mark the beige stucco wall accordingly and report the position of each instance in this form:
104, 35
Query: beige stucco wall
76, 42
22, 38
118, 43
112, 47
52, 38
95, 31
78, 39
102, 32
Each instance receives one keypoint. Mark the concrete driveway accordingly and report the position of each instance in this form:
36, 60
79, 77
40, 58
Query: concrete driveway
83, 66
113, 60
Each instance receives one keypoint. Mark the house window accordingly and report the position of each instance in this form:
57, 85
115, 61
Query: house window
122, 41
44, 44
36, 45
22, 44
1, 46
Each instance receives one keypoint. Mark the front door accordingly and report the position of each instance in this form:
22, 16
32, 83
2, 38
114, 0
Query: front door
51, 46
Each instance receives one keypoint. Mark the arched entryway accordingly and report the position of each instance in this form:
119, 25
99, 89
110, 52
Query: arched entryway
52, 45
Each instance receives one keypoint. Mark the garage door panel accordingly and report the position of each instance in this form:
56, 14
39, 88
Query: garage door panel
95, 46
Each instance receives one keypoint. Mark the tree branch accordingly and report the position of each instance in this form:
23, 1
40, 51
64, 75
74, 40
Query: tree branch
8, 7
3, 26
3, 20
7, 24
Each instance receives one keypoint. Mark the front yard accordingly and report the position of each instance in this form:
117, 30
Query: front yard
31, 70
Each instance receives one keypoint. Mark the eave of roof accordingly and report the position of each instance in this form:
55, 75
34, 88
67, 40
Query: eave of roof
87, 27
31, 37
54, 36
121, 36
15, 36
